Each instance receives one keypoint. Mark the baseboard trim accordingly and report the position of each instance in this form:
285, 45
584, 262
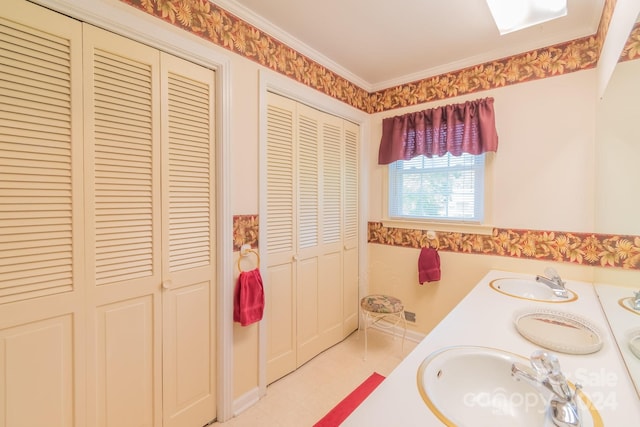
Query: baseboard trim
246, 401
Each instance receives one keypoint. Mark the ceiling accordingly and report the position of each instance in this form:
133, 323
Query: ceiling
377, 44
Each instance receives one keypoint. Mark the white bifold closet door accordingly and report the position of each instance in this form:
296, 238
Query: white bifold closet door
107, 237
189, 242
311, 187
350, 254
42, 291
150, 216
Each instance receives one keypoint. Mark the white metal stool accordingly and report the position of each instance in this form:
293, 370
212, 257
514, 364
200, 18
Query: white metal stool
383, 311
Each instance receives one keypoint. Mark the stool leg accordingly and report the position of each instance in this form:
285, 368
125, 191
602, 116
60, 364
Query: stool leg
365, 321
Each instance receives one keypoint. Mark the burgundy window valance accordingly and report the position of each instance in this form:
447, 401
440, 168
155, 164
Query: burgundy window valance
458, 128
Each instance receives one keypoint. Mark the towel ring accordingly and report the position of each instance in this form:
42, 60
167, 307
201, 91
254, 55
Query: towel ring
245, 253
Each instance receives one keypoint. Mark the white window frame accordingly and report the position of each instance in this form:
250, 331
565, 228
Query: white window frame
481, 226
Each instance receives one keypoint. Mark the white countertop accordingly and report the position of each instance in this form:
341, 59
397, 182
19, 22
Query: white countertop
485, 318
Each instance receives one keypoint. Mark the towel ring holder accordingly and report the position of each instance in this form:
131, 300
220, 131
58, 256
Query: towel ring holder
244, 254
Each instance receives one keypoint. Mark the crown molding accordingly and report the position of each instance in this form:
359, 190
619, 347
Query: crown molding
276, 32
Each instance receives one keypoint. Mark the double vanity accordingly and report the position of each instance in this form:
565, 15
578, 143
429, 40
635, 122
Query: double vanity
517, 351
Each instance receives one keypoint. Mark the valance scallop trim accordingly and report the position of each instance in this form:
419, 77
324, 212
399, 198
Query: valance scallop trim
456, 128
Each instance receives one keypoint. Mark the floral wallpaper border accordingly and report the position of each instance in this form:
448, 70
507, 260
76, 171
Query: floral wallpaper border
563, 58
205, 19
632, 47
211, 22
245, 231
589, 249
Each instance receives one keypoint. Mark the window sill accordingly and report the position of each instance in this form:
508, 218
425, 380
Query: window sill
482, 229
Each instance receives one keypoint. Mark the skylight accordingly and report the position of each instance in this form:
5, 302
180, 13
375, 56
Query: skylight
514, 15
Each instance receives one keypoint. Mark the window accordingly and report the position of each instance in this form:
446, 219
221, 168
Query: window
445, 188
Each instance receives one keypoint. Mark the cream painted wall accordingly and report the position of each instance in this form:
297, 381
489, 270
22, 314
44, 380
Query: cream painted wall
244, 200
244, 137
543, 170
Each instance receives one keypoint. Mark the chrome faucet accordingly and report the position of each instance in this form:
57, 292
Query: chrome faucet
546, 375
554, 281
636, 300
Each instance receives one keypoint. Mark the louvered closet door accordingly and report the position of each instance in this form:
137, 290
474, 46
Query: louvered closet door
122, 193
311, 220
330, 292
280, 292
188, 244
319, 281
350, 221
309, 244
41, 242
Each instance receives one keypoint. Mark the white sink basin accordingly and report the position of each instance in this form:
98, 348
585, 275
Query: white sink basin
627, 304
528, 289
472, 386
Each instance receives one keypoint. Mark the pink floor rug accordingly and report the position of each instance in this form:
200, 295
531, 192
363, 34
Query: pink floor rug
342, 410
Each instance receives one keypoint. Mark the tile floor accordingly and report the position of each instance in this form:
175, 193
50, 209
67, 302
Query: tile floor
301, 398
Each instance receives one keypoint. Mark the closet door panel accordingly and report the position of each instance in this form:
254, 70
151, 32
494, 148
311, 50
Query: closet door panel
331, 292
350, 221
331, 183
330, 299
122, 196
38, 369
41, 266
188, 225
350, 291
309, 333
280, 245
125, 356
188, 391
281, 330
307, 178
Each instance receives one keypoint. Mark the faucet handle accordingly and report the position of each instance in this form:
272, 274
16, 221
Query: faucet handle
547, 366
545, 363
551, 272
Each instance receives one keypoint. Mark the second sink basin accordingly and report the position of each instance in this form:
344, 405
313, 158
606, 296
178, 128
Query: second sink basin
472, 386
528, 289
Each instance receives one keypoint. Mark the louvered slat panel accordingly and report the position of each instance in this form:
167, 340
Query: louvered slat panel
189, 192
35, 163
123, 168
280, 209
351, 183
307, 181
332, 183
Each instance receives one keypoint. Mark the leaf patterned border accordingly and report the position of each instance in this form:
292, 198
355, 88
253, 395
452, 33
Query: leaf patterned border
590, 249
205, 19
632, 47
245, 231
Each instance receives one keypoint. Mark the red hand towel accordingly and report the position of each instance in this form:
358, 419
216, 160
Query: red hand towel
248, 303
428, 265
